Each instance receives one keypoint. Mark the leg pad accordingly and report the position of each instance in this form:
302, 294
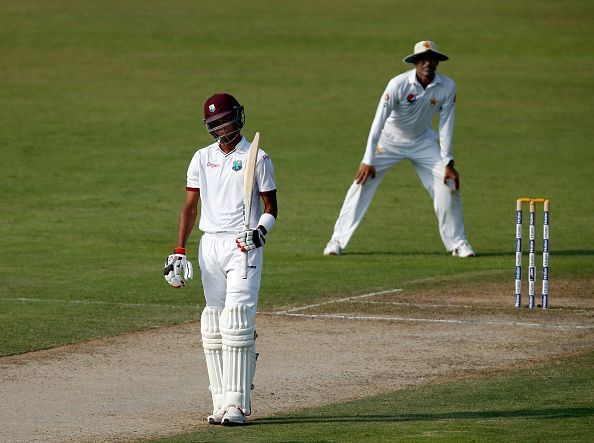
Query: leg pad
239, 356
213, 351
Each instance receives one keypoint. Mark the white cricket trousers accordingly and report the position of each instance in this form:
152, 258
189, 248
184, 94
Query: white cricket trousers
220, 267
426, 158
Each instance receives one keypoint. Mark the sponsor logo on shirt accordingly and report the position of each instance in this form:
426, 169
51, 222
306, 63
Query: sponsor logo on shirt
433, 102
212, 165
236, 165
411, 98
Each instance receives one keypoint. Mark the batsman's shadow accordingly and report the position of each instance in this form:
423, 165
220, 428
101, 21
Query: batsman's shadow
545, 413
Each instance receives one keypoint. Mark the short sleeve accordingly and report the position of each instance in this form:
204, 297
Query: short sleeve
193, 175
265, 173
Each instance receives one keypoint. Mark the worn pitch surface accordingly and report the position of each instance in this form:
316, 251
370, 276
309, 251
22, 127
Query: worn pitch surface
154, 383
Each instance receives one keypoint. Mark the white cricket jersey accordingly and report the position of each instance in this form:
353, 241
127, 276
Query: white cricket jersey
219, 177
406, 110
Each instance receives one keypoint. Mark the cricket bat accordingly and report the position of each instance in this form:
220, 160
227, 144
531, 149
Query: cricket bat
248, 187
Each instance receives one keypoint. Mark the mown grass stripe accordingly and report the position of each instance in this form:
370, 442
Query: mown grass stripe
93, 302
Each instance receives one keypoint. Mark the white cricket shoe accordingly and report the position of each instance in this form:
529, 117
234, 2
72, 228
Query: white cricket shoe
333, 248
233, 416
463, 250
216, 418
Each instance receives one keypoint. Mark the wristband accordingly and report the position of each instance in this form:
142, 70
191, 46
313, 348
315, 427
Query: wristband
179, 251
267, 221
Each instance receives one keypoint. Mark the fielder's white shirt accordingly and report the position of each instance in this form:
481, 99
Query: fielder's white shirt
406, 110
219, 177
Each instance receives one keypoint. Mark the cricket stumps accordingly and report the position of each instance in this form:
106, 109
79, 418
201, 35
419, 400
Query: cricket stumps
532, 253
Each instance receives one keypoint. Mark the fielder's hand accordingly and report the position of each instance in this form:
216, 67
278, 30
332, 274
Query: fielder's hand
248, 240
363, 173
174, 265
451, 175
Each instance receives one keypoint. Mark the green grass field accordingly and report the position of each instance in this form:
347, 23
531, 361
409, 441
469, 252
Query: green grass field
101, 113
501, 407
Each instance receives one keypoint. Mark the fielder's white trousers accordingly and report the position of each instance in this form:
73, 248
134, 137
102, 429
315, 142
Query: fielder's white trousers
220, 267
426, 158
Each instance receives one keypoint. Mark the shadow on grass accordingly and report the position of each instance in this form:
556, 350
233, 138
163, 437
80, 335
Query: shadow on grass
550, 413
367, 253
510, 253
566, 253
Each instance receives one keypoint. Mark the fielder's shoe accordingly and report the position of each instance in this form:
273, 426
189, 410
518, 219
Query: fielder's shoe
233, 416
463, 250
333, 248
216, 418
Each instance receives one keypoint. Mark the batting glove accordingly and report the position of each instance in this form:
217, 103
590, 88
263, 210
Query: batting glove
174, 265
252, 239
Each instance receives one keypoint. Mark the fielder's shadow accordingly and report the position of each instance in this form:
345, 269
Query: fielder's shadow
369, 253
562, 253
547, 413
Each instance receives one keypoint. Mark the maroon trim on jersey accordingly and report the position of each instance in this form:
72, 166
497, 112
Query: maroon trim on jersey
226, 154
192, 189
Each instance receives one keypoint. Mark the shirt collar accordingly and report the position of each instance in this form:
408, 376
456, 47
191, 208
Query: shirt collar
243, 145
412, 78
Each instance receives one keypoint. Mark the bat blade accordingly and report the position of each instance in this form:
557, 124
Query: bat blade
248, 188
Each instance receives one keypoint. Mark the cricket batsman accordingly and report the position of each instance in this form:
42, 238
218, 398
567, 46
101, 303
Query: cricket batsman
215, 177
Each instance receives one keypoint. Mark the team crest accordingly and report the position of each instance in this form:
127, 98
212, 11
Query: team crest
236, 165
212, 108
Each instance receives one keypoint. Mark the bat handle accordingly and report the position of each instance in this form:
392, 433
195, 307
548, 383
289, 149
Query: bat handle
244, 260
244, 267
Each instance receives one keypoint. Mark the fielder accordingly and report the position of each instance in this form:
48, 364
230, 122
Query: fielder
402, 130
216, 177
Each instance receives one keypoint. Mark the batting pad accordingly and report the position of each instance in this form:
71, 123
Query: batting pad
213, 351
239, 356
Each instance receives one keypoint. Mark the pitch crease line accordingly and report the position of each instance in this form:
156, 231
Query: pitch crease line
416, 305
355, 297
431, 320
584, 310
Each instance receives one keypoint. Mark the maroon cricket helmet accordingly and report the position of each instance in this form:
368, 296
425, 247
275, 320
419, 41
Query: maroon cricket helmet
220, 111
220, 105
